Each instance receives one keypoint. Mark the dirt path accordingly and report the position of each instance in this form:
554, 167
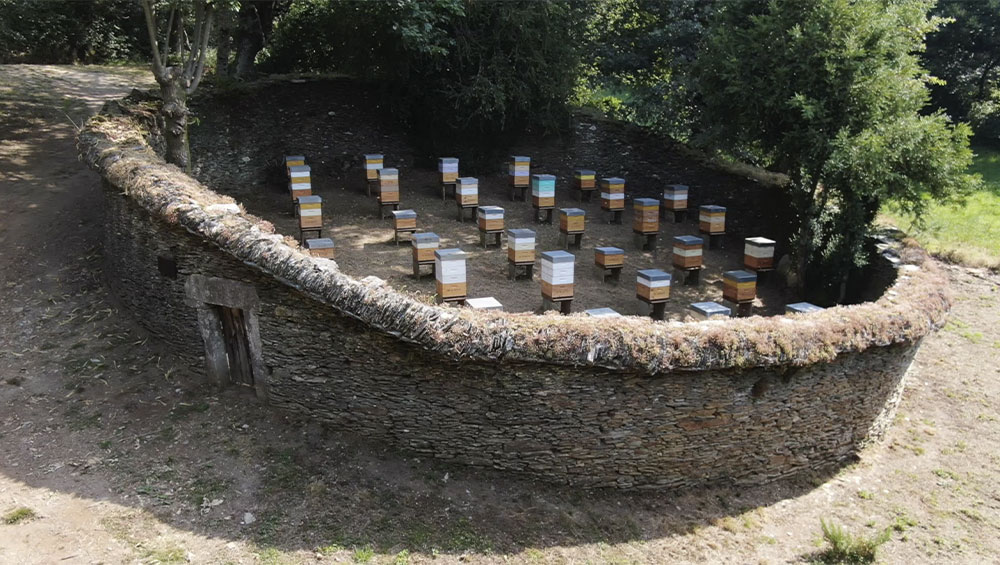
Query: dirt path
123, 458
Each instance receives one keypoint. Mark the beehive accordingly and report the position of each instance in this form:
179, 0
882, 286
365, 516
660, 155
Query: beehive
404, 220
687, 251
602, 313
557, 274
424, 246
607, 257
467, 191
584, 179
299, 181
448, 167
294, 161
646, 218
801, 308
572, 220
675, 197
521, 246
322, 247
543, 191
652, 285
739, 286
758, 253
613, 193
388, 186
310, 212
449, 273
712, 219
486, 303
709, 310
519, 170
373, 164
490, 218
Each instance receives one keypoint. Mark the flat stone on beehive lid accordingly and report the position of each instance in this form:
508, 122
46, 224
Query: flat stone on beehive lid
801, 308
404, 214
688, 240
310, 200
453, 254
760, 241
653, 275
521, 234
610, 250
709, 310
740, 276
425, 238
558, 257
602, 313
486, 303
320, 243
572, 212
644, 202
712, 208
294, 158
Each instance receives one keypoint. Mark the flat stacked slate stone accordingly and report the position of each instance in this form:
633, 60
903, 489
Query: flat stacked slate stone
487, 303
802, 308
602, 313
709, 310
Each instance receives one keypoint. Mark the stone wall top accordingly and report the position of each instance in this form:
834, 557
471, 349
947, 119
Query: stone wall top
114, 144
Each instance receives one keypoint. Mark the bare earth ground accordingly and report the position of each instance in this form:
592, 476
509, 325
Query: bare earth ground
124, 458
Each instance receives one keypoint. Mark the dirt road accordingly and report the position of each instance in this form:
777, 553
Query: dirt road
117, 455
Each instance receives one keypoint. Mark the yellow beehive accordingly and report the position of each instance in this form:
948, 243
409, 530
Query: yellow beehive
646, 219
712, 219
612, 193
584, 179
293, 161
688, 251
424, 246
606, 257
373, 163
310, 212
571, 220
739, 286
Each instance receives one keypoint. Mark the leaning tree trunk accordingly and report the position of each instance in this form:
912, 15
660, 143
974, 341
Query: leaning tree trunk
175, 118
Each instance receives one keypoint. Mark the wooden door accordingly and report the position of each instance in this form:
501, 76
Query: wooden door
234, 331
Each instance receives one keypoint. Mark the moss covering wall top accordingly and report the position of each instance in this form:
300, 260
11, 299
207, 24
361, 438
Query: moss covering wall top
114, 144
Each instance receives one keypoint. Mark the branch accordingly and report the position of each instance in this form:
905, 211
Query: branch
147, 9
170, 27
199, 16
200, 72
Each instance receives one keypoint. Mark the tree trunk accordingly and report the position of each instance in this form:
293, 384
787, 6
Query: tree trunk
253, 27
175, 118
225, 42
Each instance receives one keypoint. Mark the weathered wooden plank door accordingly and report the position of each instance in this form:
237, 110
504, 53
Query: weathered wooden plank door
234, 330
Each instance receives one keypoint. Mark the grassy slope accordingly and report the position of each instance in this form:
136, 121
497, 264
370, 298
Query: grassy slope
968, 233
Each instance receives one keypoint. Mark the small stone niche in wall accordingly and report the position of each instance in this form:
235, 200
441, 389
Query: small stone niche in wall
167, 266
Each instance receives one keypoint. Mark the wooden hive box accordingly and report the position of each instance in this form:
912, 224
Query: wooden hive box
310, 212
652, 285
520, 246
606, 257
449, 273
646, 218
486, 303
299, 189
688, 251
293, 161
467, 191
448, 167
322, 247
543, 191
557, 274
519, 169
613, 193
388, 186
584, 179
801, 308
373, 164
299, 181
572, 220
675, 197
602, 313
490, 218
758, 253
709, 310
739, 286
404, 220
712, 219
424, 246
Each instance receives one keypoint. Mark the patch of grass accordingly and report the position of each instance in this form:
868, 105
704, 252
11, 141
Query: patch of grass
946, 474
849, 549
206, 489
401, 558
865, 495
18, 515
363, 554
902, 522
165, 556
270, 556
462, 536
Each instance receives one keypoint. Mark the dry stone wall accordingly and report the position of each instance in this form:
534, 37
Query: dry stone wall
496, 390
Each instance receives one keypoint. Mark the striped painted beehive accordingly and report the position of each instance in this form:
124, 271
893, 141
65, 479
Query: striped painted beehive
712, 219
299, 181
424, 246
519, 170
612, 193
543, 191
652, 285
602, 313
801, 308
607, 257
404, 220
322, 247
557, 274
758, 253
709, 310
310, 212
373, 164
521, 246
572, 220
739, 286
584, 179
448, 167
449, 273
294, 161
467, 191
490, 218
646, 218
687, 251
486, 303
675, 197
388, 186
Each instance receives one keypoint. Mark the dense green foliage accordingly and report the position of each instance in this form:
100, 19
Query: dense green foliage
832, 93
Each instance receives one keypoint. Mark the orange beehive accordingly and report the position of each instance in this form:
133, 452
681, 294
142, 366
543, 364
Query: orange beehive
322, 247
571, 220
606, 257
687, 252
739, 286
712, 219
424, 246
646, 219
612, 193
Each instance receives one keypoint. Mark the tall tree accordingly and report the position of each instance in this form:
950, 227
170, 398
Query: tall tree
832, 93
178, 67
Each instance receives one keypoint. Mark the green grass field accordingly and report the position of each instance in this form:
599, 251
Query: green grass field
967, 233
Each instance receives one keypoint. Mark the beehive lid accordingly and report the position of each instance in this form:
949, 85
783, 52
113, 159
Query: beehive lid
572, 212
646, 202
320, 243
584, 173
299, 169
490, 210
739, 276
520, 233
710, 308
467, 180
485, 303
313, 199
453, 254
614, 180
712, 208
610, 250
602, 313
404, 214
653, 275
544, 177
802, 308
373, 156
558, 257
677, 187
688, 240
448, 160
426, 237
388, 172
520, 159
760, 241
295, 158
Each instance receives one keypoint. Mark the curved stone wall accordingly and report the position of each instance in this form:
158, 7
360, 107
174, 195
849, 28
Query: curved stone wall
624, 403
